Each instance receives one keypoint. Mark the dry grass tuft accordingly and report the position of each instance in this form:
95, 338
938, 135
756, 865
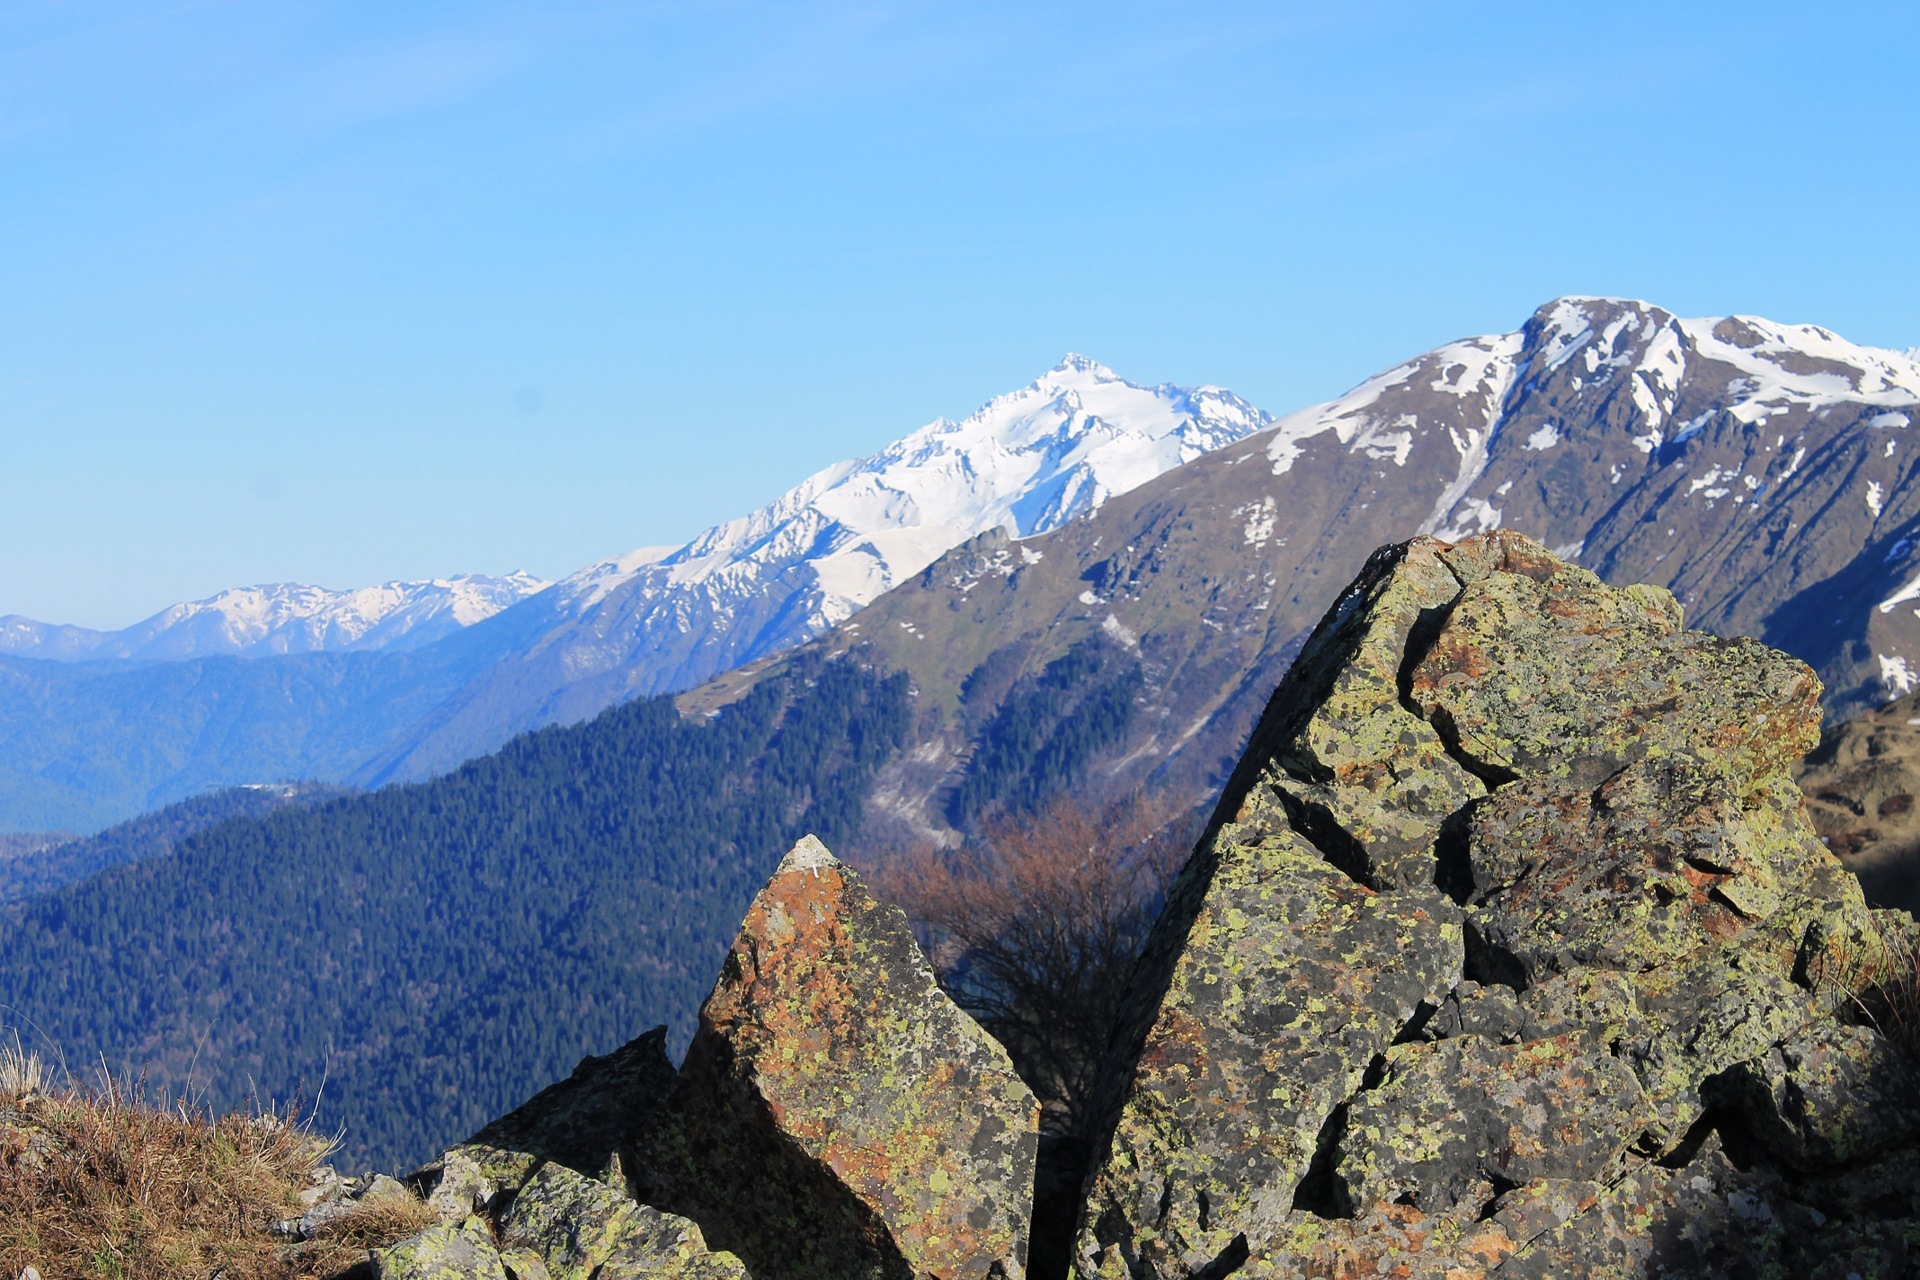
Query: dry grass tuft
343, 1242
22, 1073
1881, 978
1892, 999
100, 1183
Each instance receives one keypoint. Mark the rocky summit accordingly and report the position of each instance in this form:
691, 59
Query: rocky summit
1511, 951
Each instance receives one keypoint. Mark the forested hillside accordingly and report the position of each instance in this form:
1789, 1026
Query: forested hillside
39, 866
434, 953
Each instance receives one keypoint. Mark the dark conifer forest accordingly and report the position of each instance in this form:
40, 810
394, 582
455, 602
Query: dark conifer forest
417, 960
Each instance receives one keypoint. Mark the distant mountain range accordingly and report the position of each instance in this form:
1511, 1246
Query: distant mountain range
1757, 468
356, 697
283, 617
583, 882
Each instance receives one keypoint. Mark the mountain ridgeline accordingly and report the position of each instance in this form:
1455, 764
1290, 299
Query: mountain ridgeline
418, 958
582, 883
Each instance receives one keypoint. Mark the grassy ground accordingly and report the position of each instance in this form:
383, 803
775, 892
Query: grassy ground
98, 1182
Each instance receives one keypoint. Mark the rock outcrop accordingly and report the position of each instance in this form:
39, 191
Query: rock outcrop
1616, 1033
837, 1114
1511, 952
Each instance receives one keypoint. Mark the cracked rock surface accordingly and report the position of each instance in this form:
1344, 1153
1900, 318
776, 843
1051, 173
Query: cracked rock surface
1614, 1028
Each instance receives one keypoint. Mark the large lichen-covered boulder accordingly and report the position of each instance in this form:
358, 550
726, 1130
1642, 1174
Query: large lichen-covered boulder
1493, 745
838, 1115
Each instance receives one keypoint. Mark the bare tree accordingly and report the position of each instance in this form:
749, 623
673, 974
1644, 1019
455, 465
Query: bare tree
1034, 926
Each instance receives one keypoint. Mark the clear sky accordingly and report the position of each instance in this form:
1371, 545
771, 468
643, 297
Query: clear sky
340, 293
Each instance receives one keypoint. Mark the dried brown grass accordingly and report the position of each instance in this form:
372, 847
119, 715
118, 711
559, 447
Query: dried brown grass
98, 1182
1880, 977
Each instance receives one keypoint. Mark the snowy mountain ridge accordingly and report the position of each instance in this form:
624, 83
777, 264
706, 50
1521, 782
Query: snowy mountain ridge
1780, 371
655, 622
284, 617
1026, 462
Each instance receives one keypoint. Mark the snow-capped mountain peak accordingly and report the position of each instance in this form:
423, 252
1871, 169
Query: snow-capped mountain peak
285, 617
1025, 462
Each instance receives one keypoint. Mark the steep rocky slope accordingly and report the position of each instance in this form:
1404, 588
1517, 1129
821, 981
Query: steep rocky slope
1511, 952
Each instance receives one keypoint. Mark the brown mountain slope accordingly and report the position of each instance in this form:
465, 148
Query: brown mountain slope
1765, 483
1863, 790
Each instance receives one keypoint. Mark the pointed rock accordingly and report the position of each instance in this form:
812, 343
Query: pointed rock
583, 1121
837, 1114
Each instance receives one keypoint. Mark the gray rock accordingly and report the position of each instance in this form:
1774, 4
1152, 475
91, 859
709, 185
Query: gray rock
584, 1230
1832, 1095
1452, 1121
445, 1252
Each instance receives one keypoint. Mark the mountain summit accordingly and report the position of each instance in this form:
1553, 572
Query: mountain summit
654, 622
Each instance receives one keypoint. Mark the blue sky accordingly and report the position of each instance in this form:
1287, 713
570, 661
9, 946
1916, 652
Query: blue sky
341, 293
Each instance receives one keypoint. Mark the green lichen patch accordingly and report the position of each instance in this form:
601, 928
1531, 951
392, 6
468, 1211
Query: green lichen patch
1291, 980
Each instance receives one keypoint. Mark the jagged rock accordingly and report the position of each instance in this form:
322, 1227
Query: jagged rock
837, 1114
582, 1122
1339, 753
445, 1252
584, 1230
1286, 979
1652, 929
